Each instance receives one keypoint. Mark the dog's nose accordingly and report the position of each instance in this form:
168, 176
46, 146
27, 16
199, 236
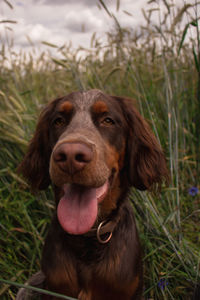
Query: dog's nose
72, 157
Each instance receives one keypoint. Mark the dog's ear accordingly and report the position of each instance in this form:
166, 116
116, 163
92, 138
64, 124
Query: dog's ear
145, 159
35, 164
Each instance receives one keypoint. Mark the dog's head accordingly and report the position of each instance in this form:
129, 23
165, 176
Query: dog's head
92, 147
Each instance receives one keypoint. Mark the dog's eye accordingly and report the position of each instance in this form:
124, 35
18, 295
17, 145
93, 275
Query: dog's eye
107, 121
59, 122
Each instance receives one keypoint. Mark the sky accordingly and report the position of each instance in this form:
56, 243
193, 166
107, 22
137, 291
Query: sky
62, 21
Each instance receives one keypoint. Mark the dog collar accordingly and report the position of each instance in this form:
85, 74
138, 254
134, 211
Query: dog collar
104, 231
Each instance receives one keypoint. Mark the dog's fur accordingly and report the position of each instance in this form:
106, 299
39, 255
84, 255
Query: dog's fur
93, 146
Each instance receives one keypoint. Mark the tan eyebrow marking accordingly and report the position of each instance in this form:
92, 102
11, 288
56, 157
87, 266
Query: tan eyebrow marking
66, 107
100, 107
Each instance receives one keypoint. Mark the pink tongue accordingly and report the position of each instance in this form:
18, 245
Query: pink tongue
77, 209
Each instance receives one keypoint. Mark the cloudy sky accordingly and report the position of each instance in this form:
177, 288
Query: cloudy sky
62, 21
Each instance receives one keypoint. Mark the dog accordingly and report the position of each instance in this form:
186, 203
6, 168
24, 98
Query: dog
92, 148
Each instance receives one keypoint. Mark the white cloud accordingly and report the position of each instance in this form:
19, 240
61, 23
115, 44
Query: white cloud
85, 21
63, 2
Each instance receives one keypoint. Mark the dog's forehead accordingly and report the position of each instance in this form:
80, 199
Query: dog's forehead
83, 101
82, 104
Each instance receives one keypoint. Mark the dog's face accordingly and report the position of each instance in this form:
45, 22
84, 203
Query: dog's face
88, 140
91, 146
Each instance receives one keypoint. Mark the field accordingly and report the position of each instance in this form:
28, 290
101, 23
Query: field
158, 66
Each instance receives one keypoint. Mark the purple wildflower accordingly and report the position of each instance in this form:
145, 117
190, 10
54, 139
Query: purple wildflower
193, 191
162, 283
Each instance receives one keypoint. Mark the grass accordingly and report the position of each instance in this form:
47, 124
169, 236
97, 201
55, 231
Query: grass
159, 66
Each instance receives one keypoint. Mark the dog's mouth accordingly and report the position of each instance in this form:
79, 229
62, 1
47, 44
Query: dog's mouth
77, 209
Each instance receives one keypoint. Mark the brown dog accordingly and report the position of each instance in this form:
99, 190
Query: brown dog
92, 148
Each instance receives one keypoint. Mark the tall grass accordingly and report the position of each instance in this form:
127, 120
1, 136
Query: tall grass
159, 66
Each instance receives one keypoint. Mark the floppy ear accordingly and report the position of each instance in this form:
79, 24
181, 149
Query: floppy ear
35, 165
145, 159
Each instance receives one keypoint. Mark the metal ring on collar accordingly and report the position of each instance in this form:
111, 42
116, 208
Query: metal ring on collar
99, 235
